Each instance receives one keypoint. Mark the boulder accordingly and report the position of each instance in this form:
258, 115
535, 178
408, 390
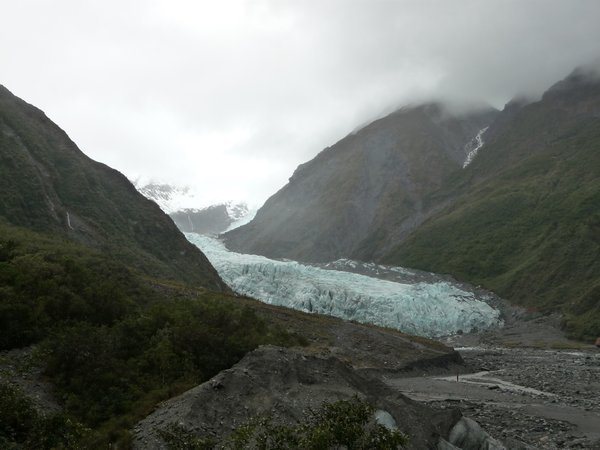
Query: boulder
468, 435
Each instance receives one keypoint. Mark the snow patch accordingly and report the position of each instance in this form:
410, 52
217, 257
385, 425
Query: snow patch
171, 198
474, 146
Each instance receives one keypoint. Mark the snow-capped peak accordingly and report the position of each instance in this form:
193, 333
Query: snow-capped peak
170, 198
189, 211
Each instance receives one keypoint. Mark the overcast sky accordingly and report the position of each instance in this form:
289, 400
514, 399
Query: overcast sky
229, 96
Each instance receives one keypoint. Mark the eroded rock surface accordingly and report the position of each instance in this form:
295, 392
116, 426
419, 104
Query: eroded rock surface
286, 383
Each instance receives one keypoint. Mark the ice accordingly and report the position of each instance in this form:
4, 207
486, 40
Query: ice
426, 309
242, 219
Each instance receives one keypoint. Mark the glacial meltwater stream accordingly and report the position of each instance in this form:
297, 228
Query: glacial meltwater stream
428, 308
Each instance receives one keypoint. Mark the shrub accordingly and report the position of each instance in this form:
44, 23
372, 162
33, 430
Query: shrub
343, 424
22, 426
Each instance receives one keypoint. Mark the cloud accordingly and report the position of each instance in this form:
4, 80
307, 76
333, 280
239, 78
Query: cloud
231, 96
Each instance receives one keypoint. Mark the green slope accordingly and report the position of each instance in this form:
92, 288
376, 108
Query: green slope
112, 342
48, 184
525, 218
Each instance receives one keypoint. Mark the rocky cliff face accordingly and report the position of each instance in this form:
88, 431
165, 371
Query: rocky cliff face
368, 191
48, 184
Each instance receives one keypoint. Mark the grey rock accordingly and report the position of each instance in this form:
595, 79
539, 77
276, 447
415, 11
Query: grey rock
386, 419
443, 444
468, 435
285, 384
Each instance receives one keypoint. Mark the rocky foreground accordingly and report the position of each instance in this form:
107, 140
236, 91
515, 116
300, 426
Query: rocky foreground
341, 360
548, 399
525, 385
284, 384
522, 392
527, 382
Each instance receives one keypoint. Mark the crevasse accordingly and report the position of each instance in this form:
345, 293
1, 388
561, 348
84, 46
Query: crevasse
427, 309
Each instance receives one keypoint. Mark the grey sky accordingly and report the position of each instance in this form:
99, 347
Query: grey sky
230, 96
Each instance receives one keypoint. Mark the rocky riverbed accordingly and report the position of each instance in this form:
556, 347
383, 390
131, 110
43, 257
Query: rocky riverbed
525, 382
548, 399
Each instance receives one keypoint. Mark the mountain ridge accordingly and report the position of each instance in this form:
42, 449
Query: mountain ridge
183, 206
47, 184
339, 203
526, 224
519, 219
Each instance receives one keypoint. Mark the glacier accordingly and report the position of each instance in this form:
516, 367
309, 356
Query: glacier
240, 217
430, 309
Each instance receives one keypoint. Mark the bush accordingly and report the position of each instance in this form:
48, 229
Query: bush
22, 426
113, 343
343, 424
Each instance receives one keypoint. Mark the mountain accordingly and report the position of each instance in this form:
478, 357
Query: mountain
181, 203
170, 198
48, 185
213, 219
366, 192
105, 313
525, 221
509, 201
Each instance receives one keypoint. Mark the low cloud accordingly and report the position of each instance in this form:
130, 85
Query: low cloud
231, 96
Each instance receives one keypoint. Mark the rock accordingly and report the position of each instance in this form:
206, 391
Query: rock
443, 444
386, 419
468, 435
285, 384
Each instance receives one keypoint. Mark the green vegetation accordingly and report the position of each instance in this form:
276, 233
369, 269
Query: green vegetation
525, 222
47, 184
113, 342
22, 426
343, 424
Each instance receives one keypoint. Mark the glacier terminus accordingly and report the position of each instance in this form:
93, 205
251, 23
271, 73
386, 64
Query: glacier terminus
426, 308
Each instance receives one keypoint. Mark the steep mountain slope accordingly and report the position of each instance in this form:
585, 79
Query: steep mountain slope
364, 193
527, 220
47, 184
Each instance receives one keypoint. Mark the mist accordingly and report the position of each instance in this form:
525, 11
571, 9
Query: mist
229, 97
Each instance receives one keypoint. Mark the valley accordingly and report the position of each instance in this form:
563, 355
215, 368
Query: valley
519, 377
507, 200
429, 269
